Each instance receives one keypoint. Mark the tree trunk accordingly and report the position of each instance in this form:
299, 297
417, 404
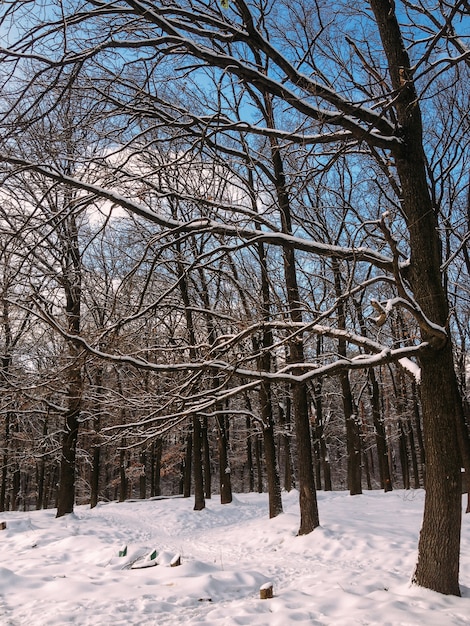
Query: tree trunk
5, 462
225, 482
71, 277
41, 469
259, 466
187, 472
380, 434
285, 421
199, 502
156, 466
272, 473
412, 449
206, 455
323, 461
123, 481
66, 495
309, 518
419, 431
367, 469
439, 545
143, 475
249, 456
405, 468
95, 475
96, 447
353, 434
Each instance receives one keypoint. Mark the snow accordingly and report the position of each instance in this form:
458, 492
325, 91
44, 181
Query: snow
354, 569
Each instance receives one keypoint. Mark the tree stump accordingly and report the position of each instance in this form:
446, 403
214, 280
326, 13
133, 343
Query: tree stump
175, 561
266, 591
123, 551
3, 525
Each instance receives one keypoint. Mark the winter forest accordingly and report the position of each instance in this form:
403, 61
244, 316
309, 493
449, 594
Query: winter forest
234, 255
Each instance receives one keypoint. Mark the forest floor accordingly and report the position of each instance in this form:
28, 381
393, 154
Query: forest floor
353, 570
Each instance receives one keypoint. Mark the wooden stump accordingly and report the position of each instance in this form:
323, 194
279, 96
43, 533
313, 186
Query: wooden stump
3, 525
266, 591
175, 561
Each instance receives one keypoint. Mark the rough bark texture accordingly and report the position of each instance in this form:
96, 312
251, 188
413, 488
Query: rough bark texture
439, 544
71, 279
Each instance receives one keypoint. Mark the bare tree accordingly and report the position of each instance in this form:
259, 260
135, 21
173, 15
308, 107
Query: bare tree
364, 95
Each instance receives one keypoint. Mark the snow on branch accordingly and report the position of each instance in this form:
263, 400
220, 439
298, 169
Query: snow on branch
249, 235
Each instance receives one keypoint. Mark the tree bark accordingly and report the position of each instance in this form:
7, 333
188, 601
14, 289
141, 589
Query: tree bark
225, 482
353, 435
309, 517
380, 434
66, 495
187, 473
71, 279
272, 473
206, 454
199, 501
249, 456
439, 544
5, 462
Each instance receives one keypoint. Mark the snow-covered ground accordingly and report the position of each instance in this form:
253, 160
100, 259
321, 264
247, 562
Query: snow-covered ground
354, 569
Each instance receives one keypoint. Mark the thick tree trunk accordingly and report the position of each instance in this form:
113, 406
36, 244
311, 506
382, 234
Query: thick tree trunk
66, 494
439, 544
72, 285
309, 518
